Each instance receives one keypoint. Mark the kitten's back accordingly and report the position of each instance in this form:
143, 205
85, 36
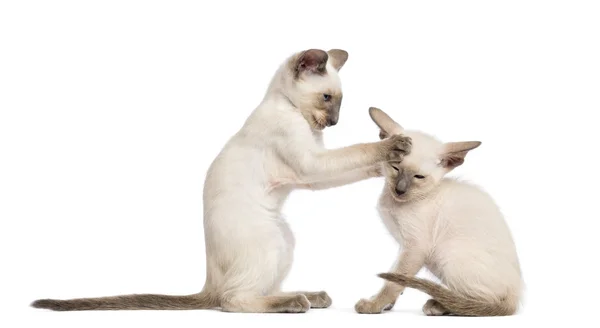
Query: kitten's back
474, 223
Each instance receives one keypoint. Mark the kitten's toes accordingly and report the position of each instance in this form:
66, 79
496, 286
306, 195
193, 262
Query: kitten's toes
434, 308
297, 304
320, 300
402, 143
368, 307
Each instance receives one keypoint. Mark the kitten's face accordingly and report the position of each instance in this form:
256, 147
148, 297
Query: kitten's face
408, 183
418, 173
314, 87
421, 171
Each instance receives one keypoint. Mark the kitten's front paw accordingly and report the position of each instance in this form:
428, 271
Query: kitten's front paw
368, 307
298, 304
320, 300
398, 147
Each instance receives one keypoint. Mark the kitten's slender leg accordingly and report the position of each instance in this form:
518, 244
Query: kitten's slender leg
318, 300
321, 165
296, 303
341, 179
409, 263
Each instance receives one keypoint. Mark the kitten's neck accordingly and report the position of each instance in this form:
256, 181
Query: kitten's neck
278, 101
276, 98
284, 99
277, 84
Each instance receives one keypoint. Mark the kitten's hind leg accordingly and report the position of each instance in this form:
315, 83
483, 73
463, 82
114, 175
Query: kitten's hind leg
297, 303
318, 300
434, 308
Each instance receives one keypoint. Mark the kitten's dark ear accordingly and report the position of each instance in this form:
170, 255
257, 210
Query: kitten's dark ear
387, 126
311, 61
338, 58
453, 153
383, 135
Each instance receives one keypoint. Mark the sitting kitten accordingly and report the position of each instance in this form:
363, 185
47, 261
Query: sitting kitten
249, 244
452, 228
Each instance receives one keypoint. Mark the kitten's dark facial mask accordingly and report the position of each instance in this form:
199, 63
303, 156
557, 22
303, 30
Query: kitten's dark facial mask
403, 179
324, 105
329, 104
403, 182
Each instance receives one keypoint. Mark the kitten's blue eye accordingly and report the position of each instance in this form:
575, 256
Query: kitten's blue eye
418, 176
326, 97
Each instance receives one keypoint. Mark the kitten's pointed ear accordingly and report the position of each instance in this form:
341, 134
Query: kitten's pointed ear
338, 58
310, 61
453, 153
385, 123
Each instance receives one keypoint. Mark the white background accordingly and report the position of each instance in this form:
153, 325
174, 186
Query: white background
112, 111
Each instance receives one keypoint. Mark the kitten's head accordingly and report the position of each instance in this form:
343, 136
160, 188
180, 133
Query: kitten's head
311, 83
424, 167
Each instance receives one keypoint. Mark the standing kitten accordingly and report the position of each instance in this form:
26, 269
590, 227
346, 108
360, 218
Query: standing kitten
249, 246
452, 228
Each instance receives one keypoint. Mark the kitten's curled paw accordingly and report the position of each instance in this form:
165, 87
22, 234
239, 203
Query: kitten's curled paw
365, 306
398, 146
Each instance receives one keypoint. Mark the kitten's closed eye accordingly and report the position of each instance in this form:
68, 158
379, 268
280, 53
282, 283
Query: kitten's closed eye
326, 97
418, 176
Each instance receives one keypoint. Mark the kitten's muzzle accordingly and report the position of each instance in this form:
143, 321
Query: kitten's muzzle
332, 120
403, 183
333, 114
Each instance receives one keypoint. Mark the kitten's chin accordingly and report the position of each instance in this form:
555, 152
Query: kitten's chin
319, 123
400, 199
315, 122
319, 127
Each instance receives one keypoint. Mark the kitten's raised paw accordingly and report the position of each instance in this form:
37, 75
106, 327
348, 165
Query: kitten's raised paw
365, 306
399, 146
319, 300
434, 308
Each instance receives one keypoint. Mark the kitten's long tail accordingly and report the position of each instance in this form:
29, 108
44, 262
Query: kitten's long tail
455, 303
130, 302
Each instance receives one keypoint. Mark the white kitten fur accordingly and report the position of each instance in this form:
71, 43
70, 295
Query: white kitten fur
450, 227
249, 245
